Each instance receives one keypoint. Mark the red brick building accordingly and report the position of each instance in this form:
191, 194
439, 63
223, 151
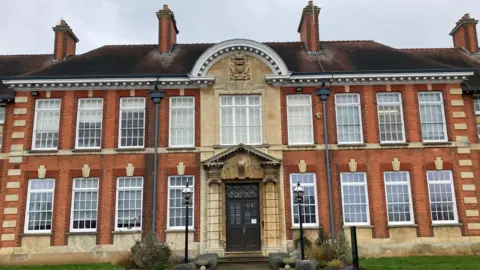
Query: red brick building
240, 122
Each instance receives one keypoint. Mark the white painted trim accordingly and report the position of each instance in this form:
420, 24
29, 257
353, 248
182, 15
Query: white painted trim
170, 121
192, 205
455, 210
292, 203
78, 120
72, 203
261, 51
311, 119
401, 115
116, 203
365, 184
27, 215
412, 221
441, 102
120, 123
35, 124
360, 116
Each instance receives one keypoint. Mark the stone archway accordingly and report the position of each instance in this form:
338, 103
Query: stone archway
242, 164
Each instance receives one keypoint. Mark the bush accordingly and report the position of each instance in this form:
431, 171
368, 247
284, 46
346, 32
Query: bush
322, 237
306, 241
342, 249
150, 254
305, 265
325, 252
127, 262
335, 264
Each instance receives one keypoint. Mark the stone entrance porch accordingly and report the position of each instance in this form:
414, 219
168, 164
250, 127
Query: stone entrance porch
242, 164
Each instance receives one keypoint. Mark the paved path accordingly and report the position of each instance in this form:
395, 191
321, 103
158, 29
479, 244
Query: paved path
243, 266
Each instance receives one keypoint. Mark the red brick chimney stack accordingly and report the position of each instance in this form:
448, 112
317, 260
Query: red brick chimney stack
465, 34
167, 30
65, 41
309, 29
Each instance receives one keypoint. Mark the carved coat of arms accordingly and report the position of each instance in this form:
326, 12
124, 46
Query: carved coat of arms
240, 68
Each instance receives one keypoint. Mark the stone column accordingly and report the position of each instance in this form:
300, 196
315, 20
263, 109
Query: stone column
214, 211
271, 230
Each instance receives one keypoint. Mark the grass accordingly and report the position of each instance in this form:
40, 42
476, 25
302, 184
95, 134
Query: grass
101, 266
424, 263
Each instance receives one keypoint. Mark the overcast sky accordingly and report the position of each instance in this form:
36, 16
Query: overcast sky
26, 25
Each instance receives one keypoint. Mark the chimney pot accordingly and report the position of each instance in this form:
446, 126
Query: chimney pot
465, 34
310, 3
165, 7
65, 41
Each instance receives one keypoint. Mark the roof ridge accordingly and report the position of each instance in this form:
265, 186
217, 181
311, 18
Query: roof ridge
28, 54
425, 49
353, 40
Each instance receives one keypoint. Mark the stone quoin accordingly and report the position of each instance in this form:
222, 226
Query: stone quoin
240, 121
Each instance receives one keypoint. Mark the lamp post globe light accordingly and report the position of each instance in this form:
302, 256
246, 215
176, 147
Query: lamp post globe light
324, 92
187, 193
298, 193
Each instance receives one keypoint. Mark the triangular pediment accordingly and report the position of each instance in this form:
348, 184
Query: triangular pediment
220, 158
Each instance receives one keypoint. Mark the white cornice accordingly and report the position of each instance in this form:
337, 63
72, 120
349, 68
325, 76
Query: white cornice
369, 78
253, 48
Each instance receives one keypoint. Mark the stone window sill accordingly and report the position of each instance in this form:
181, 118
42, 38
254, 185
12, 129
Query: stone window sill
358, 226
353, 145
81, 233
394, 144
448, 225
181, 149
36, 234
130, 149
40, 151
432, 144
403, 226
127, 232
86, 150
179, 230
221, 146
302, 146
306, 227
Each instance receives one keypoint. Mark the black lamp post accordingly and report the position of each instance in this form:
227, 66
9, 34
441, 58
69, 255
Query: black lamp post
323, 93
187, 195
156, 96
298, 193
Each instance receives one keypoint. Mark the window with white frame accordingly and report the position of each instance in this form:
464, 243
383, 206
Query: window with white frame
182, 121
349, 118
129, 203
132, 122
355, 199
398, 197
240, 119
84, 204
176, 202
308, 183
47, 118
39, 206
390, 117
442, 197
89, 122
300, 126
476, 104
432, 117
2, 114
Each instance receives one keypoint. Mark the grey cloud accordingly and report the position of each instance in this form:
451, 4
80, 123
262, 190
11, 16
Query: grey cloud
26, 24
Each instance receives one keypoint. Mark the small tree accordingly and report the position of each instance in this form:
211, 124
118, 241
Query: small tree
150, 254
342, 248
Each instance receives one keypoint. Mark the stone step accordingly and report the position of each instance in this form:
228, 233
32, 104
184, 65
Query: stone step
243, 257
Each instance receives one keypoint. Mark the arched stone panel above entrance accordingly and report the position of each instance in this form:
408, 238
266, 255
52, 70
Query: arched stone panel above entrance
235, 46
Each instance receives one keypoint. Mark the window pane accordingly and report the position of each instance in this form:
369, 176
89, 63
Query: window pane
129, 202
300, 129
176, 202
390, 117
241, 119
2, 113
132, 122
354, 198
349, 122
40, 205
397, 193
182, 120
47, 118
84, 204
89, 123
432, 116
442, 196
309, 205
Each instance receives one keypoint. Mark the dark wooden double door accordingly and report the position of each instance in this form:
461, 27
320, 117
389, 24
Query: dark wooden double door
243, 221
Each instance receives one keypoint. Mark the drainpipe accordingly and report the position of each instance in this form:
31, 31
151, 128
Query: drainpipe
156, 96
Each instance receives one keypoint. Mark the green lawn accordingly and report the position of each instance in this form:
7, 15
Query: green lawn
102, 266
423, 263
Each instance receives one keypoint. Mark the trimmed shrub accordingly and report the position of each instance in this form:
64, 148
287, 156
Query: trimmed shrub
150, 254
305, 265
185, 266
275, 260
212, 259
